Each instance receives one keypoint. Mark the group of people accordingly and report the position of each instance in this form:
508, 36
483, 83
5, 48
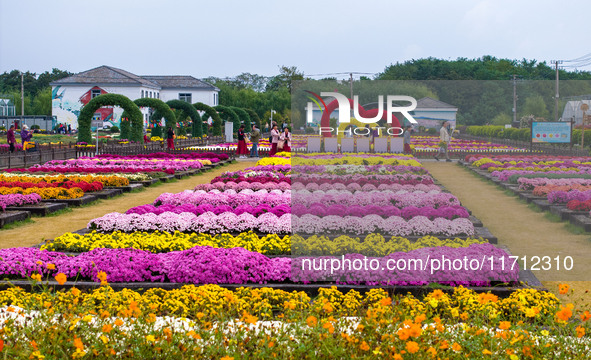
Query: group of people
280, 141
26, 135
63, 129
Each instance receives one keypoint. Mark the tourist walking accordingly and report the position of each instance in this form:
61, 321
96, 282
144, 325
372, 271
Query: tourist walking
274, 140
444, 140
11, 139
255, 136
170, 138
242, 149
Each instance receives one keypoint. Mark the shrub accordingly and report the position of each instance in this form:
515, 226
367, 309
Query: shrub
114, 129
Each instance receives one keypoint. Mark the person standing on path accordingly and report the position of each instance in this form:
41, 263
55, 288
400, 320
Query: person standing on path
444, 140
274, 140
406, 141
170, 138
255, 136
286, 138
11, 139
242, 150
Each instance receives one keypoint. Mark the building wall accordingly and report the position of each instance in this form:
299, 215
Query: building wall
434, 118
202, 96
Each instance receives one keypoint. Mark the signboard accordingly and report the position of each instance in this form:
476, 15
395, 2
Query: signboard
96, 124
229, 131
551, 132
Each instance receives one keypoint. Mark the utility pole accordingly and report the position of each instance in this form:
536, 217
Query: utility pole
514, 98
22, 98
556, 62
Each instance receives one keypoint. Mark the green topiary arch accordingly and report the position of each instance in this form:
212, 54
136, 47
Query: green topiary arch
244, 117
190, 111
227, 114
254, 117
160, 107
87, 112
210, 113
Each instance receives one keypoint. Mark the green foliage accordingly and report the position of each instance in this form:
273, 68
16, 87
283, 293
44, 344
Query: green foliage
190, 111
210, 113
535, 106
86, 113
156, 131
492, 131
35, 127
243, 115
227, 114
254, 117
501, 119
114, 129
125, 128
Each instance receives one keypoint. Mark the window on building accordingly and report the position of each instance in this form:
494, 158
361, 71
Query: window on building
94, 93
150, 94
142, 93
215, 99
186, 97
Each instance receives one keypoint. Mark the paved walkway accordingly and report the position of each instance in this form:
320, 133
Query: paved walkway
524, 231
49, 227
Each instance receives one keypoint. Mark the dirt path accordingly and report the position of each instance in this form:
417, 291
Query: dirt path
49, 227
524, 231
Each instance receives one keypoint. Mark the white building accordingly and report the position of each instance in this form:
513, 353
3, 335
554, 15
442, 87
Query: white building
71, 93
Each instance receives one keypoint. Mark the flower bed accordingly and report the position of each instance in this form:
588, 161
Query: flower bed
207, 265
18, 200
393, 225
83, 185
207, 222
431, 143
408, 212
201, 209
245, 185
382, 198
110, 180
228, 197
45, 193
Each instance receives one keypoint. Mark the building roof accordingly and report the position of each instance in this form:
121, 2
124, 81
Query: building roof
179, 82
113, 76
430, 103
105, 75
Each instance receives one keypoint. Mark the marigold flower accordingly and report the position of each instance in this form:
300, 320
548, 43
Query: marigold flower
580, 331
504, 325
227, 358
412, 347
78, 343
36, 277
311, 321
150, 338
403, 334
51, 266
563, 288
107, 328
486, 352
102, 276
564, 314
118, 322
61, 278
415, 331
456, 347
364, 346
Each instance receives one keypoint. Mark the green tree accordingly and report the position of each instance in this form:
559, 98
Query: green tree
536, 106
501, 119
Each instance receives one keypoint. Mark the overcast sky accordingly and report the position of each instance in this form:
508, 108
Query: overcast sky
226, 38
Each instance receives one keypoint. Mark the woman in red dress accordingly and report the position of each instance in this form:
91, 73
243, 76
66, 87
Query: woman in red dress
242, 149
